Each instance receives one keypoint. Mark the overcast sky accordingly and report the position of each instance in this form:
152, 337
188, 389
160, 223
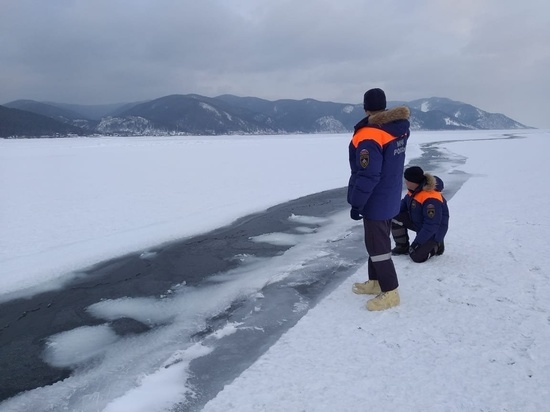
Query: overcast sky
494, 54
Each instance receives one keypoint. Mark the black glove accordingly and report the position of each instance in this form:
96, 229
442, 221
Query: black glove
354, 214
413, 247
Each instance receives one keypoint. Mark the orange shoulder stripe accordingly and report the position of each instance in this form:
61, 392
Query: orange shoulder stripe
422, 196
372, 133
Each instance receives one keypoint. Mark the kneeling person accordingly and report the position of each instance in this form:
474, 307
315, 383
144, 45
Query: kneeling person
423, 210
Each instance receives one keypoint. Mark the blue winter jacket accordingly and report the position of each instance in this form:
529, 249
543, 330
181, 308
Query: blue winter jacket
376, 159
428, 210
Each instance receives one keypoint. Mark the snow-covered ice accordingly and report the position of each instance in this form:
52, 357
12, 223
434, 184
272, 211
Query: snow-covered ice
471, 332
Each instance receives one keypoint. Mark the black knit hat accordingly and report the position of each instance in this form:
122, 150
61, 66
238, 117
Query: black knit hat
374, 100
414, 174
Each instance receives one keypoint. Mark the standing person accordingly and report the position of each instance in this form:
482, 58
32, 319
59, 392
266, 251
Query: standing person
423, 210
377, 158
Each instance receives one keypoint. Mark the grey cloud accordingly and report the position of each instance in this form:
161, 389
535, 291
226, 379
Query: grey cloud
489, 53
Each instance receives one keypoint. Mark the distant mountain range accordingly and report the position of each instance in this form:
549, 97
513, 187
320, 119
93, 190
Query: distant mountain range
227, 114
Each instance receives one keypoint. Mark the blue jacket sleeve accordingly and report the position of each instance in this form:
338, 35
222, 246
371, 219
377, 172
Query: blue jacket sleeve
432, 215
368, 162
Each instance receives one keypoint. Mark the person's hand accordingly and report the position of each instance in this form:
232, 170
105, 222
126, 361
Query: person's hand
413, 247
354, 214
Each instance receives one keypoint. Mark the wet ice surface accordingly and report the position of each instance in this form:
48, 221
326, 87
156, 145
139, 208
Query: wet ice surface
188, 319
199, 331
262, 319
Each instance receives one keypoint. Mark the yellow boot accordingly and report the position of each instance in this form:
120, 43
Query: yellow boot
370, 287
384, 300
